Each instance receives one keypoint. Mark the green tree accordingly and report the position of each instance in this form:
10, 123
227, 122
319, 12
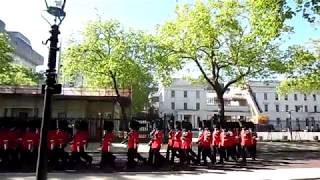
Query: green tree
108, 57
229, 41
11, 73
302, 69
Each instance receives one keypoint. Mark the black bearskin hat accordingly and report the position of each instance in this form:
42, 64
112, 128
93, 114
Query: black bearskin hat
108, 126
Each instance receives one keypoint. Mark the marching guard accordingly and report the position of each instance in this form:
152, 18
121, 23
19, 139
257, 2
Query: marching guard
107, 158
133, 141
155, 158
171, 135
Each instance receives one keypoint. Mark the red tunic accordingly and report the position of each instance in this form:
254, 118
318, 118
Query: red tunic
30, 140
171, 136
246, 139
177, 139
62, 138
207, 139
216, 138
226, 139
200, 138
10, 139
157, 140
107, 141
133, 139
79, 141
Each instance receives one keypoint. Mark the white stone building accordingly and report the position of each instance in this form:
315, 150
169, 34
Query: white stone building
186, 101
195, 102
301, 110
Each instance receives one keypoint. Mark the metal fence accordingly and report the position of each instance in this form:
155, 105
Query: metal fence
296, 125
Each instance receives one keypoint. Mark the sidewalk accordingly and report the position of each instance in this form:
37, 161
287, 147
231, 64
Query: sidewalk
283, 174
263, 147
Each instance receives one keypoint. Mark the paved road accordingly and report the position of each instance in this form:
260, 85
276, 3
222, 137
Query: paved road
283, 174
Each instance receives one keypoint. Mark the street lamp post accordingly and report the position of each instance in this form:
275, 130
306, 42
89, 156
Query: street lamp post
56, 9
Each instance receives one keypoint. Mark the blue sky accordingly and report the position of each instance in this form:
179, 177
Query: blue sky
25, 16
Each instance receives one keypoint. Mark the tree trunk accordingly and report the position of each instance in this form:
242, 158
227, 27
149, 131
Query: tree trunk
221, 109
123, 118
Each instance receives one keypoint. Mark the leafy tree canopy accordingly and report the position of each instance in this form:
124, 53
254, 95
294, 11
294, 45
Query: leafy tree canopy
11, 73
229, 41
110, 57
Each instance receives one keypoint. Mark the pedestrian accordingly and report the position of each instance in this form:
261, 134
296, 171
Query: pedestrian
107, 158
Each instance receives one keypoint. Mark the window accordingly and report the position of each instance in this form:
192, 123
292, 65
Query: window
265, 96
276, 96
297, 108
314, 97
305, 97
266, 107
210, 101
185, 106
315, 109
173, 94
278, 121
173, 106
62, 115
305, 108
286, 97
287, 108
6, 112
296, 97
198, 106
277, 108
307, 122
185, 94
197, 94
287, 123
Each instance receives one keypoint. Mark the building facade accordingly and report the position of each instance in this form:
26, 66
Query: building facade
190, 102
23, 52
197, 102
93, 105
297, 110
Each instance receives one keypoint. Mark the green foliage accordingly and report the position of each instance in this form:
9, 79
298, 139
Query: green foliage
227, 40
109, 57
11, 73
302, 70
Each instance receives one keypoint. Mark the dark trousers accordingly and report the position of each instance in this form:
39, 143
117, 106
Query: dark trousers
29, 158
206, 152
77, 156
10, 158
238, 150
230, 152
107, 158
168, 153
176, 152
155, 157
187, 155
199, 153
215, 150
253, 151
222, 152
56, 155
244, 150
132, 154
